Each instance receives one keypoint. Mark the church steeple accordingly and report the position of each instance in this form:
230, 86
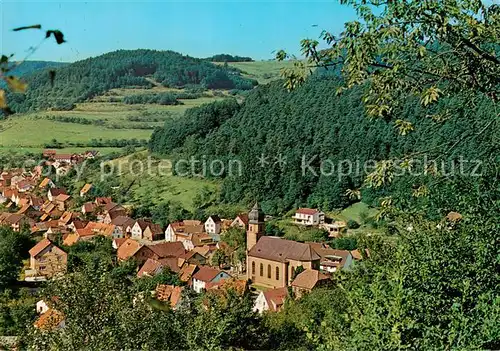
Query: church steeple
255, 226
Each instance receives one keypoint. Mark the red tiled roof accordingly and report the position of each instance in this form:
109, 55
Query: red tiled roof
128, 249
275, 297
50, 320
168, 249
307, 211
309, 278
39, 247
206, 274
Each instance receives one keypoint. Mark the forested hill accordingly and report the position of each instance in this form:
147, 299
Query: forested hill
313, 122
29, 67
123, 68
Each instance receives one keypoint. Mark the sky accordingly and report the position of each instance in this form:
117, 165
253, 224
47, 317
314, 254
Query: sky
195, 28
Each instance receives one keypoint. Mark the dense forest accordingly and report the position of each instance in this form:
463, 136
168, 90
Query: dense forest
314, 123
84, 79
229, 58
29, 67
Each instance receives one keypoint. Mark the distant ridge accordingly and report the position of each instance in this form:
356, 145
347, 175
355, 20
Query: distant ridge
82, 80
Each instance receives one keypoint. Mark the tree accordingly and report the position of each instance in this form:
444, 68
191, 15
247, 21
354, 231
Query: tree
13, 249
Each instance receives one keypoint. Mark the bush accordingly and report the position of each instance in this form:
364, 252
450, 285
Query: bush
352, 224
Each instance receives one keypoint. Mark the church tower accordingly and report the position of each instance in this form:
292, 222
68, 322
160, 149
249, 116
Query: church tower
255, 226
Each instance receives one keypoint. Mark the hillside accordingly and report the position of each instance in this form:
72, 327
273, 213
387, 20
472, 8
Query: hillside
262, 71
29, 67
312, 122
85, 79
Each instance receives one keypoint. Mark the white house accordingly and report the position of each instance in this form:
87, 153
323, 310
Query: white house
308, 216
41, 307
270, 300
213, 225
207, 275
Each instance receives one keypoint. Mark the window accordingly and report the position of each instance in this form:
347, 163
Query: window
268, 271
253, 267
277, 273
261, 270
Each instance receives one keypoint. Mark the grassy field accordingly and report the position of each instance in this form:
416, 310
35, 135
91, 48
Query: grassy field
108, 121
156, 182
262, 71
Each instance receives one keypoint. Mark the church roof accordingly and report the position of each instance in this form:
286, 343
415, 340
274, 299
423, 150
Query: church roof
280, 250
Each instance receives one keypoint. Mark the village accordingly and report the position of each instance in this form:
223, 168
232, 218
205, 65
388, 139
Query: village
272, 267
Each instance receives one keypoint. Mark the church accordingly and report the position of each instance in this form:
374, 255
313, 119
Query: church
271, 261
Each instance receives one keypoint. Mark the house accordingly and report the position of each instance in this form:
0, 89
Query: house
89, 207
46, 259
16, 221
333, 260
109, 230
153, 267
127, 249
86, 188
181, 230
169, 293
241, 221
48, 153
159, 251
25, 186
61, 201
270, 300
102, 201
50, 320
192, 257
358, 255
54, 192
307, 280
334, 228
207, 275
308, 216
124, 223
146, 230
118, 242
63, 158
213, 225
112, 210
192, 241
67, 218
187, 271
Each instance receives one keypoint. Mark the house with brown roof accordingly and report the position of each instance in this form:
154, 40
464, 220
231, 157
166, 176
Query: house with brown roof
178, 231
46, 182
159, 251
307, 280
128, 249
49, 153
54, 192
124, 223
272, 261
308, 216
86, 188
146, 230
102, 201
187, 271
16, 221
61, 201
153, 267
332, 260
207, 275
270, 300
241, 221
50, 320
169, 293
47, 260
89, 207
213, 225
